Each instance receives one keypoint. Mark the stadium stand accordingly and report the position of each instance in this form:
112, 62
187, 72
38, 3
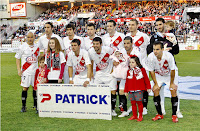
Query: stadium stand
104, 12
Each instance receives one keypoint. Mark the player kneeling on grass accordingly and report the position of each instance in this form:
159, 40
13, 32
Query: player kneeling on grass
79, 58
55, 62
39, 77
137, 82
161, 65
28, 53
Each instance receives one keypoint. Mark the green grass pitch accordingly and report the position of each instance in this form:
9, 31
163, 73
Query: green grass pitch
12, 119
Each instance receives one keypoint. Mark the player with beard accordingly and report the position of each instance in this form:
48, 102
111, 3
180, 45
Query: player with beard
100, 55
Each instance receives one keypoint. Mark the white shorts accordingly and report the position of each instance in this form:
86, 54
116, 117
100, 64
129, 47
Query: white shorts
106, 79
166, 82
78, 80
27, 80
163, 81
121, 84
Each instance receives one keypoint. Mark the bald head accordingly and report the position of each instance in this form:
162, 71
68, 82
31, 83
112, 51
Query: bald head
30, 38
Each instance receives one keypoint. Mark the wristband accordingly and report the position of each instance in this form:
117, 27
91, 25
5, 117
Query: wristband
70, 79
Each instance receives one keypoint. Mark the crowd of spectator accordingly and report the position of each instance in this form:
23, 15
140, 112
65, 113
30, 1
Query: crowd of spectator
126, 10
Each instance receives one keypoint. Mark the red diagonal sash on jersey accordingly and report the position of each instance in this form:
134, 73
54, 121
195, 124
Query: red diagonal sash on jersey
26, 65
82, 63
139, 41
117, 41
104, 60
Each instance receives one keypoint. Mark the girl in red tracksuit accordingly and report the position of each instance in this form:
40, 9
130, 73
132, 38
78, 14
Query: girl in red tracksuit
137, 81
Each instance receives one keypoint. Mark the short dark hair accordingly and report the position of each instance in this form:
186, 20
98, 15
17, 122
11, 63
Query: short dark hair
129, 38
91, 24
137, 60
97, 39
76, 41
112, 21
159, 43
134, 20
160, 19
50, 23
70, 26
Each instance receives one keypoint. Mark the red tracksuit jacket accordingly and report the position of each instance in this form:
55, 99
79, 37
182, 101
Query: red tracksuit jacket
134, 85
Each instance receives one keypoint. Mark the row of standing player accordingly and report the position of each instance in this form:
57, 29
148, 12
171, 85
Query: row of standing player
112, 39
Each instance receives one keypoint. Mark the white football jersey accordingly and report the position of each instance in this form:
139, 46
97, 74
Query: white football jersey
79, 63
88, 42
67, 42
26, 54
141, 41
162, 67
133, 52
114, 41
43, 41
103, 63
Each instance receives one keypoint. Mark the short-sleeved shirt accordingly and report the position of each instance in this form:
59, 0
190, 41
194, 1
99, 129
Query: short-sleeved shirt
114, 41
105, 66
141, 41
163, 67
67, 42
26, 54
88, 42
79, 62
133, 52
43, 41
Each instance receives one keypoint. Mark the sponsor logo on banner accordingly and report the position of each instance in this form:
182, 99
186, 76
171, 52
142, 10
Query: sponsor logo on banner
81, 99
18, 7
75, 101
46, 97
189, 48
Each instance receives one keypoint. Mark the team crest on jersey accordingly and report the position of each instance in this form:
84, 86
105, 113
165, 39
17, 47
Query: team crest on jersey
165, 64
80, 68
102, 65
83, 61
31, 59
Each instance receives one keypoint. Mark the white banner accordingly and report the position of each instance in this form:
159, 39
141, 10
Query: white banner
18, 9
195, 9
74, 101
55, 22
